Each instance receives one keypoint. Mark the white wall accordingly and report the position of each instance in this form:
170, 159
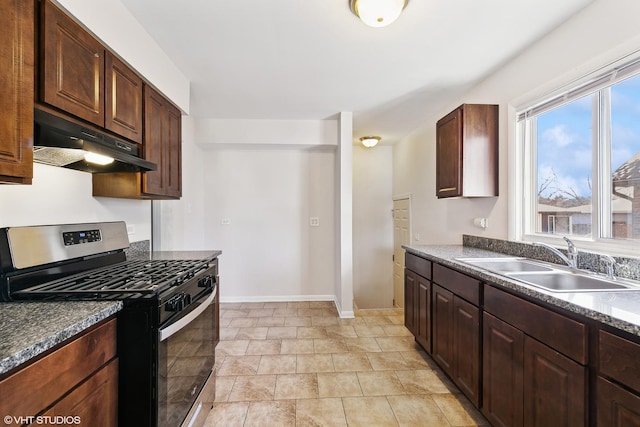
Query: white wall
601, 33
372, 227
61, 196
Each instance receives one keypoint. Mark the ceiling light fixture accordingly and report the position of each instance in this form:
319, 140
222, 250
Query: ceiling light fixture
378, 13
370, 141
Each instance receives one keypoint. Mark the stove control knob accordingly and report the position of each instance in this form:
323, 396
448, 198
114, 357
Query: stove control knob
206, 282
176, 303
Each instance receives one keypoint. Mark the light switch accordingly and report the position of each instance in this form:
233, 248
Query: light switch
314, 221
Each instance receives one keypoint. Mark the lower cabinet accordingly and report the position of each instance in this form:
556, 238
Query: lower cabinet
417, 308
77, 384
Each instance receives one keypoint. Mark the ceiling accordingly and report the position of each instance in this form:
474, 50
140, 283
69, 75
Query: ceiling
310, 59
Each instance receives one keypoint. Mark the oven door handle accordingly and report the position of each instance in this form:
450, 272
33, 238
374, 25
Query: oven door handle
184, 321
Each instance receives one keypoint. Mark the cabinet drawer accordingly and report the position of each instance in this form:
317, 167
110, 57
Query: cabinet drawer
37, 386
458, 283
419, 265
619, 359
555, 330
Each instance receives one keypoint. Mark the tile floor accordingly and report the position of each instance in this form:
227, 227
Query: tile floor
299, 364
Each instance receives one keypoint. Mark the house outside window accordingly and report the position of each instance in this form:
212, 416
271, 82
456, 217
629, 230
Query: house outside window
580, 163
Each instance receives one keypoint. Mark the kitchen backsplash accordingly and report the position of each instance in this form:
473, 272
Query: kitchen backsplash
625, 267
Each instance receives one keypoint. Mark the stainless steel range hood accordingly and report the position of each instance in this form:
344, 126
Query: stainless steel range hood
59, 142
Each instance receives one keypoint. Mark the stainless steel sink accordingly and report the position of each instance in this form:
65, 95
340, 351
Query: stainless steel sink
505, 265
573, 282
551, 277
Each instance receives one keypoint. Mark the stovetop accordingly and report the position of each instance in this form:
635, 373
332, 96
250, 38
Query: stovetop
134, 277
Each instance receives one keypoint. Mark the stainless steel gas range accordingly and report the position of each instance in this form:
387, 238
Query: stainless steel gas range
167, 329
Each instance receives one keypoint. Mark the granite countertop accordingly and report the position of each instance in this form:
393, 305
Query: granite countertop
620, 310
28, 329
171, 255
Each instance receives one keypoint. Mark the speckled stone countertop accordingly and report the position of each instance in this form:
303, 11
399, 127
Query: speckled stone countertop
620, 310
169, 255
28, 329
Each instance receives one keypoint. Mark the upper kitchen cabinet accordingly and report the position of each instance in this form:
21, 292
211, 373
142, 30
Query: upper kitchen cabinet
467, 152
162, 145
16, 90
81, 77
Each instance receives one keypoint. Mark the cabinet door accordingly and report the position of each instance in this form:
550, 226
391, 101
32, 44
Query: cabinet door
449, 155
153, 182
409, 301
123, 99
555, 390
442, 344
424, 313
502, 370
95, 401
72, 67
172, 141
16, 90
617, 407
466, 337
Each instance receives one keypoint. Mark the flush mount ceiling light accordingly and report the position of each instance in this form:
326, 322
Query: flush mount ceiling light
370, 141
378, 13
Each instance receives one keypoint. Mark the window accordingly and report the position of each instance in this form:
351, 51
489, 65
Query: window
581, 162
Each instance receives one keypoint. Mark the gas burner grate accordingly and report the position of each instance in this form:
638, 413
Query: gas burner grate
128, 277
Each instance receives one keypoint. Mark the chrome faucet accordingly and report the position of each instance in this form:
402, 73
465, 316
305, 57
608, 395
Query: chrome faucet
610, 265
571, 259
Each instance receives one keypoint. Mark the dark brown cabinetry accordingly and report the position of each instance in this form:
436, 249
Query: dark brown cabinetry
456, 328
618, 405
162, 145
16, 90
417, 299
467, 152
81, 77
78, 379
527, 381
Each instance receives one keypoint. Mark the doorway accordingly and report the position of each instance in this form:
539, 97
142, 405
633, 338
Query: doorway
401, 236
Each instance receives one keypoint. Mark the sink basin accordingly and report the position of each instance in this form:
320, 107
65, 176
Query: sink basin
506, 265
571, 282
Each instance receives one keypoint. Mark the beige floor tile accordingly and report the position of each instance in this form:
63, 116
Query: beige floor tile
298, 304
369, 331
239, 365
310, 363
312, 332
323, 304
243, 322
377, 321
223, 388
227, 415
324, 321
271, 321
251, 305
383, 383
342, 384
341, 332
330, 345
297, 346
311, 312
366, 344
422, 382
397, 343
417, 411
281, 364
418, 360
253, 388
387, 361
261, 312
252, 333
275, 305
297, 321
368, 411
264, 347
227, 334
396, 320
285, 312
283, 332
277, 413
320, 412
458, 410
233, 313
397, 331
296, 386
232, 348
351, 362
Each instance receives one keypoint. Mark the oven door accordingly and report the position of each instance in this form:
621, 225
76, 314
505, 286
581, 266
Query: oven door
186, 357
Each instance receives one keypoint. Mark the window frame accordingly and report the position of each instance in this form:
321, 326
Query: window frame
523, 169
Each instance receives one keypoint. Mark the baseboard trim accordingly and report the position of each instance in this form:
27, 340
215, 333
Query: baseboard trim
279, 298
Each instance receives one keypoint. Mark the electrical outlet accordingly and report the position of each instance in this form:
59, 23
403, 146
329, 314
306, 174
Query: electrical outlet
314, 221
131, 229
225, 221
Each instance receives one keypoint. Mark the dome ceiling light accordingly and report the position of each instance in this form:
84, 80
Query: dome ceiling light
378, 13
370, 141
